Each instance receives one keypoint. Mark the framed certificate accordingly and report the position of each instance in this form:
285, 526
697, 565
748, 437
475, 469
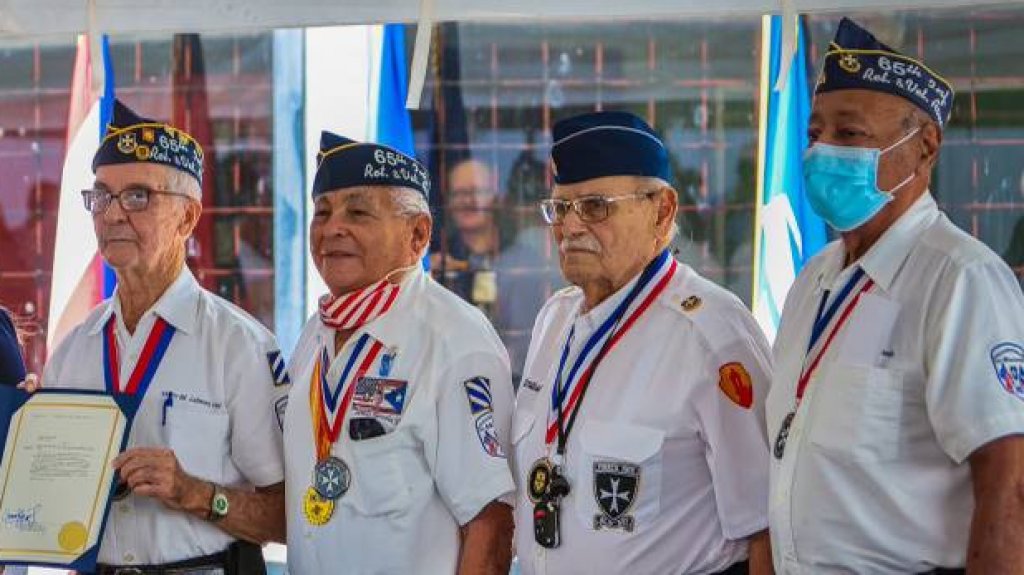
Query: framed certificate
56, 477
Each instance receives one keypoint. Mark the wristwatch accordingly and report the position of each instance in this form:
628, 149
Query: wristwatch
219, 504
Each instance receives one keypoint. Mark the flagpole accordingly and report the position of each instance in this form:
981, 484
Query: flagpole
762, 146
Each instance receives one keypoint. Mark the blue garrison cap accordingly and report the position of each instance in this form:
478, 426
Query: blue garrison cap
131, 138
601, 144
345, 163
856, 60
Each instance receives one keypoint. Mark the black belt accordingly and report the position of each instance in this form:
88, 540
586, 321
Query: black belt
741, 568
944, 571
215, 561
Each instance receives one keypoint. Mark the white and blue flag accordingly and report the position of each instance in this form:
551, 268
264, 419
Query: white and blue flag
788, 232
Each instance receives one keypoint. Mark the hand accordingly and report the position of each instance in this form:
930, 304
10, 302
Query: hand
31, 384
155, 472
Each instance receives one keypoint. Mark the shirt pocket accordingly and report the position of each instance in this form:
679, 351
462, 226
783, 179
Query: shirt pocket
858, 412
617, 484
199, 436
379, 485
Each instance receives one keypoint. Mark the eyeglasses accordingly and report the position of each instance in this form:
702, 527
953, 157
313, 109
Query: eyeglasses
133, 199
590, 209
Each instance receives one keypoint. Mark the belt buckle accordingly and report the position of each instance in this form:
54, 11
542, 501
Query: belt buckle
128, 571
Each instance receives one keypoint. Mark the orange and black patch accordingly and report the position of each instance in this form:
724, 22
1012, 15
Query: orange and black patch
735, 383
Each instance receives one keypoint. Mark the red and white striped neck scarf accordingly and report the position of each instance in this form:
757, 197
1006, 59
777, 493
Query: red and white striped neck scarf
357, 308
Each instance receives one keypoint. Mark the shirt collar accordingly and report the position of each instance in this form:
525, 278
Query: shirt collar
392, 326
178, 305
885, 259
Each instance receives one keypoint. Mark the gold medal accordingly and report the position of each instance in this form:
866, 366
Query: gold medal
539, 479
318, 511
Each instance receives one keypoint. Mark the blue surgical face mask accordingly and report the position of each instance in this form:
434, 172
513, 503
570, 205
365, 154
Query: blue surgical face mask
842, 183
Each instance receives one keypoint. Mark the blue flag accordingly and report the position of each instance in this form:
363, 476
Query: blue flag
788, 232
394, 127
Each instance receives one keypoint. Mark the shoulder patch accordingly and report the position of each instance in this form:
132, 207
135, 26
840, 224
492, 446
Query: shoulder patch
735, 383
478, 391
280, 408
278, 372
1008, 361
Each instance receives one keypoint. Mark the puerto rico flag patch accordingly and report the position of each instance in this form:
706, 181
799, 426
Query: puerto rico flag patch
278, 371
478, 391
1008, 361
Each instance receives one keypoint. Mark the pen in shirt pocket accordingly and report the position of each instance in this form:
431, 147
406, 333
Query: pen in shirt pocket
168, 403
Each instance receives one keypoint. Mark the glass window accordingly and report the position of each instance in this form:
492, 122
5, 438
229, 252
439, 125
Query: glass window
493, 93
216, 87
979, 180
497, 90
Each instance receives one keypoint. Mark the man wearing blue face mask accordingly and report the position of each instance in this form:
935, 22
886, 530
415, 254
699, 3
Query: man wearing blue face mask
897, 404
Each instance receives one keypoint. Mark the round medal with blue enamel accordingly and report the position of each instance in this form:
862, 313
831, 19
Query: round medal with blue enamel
331, 478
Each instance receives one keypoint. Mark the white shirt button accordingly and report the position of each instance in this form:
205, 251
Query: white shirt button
129, 558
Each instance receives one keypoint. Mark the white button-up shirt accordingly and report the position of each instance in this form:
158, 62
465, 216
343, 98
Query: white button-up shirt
220, 419
659, 404
927, 368
432, 471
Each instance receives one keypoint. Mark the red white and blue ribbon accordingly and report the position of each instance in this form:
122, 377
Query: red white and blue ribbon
568, 388
157, 342
330, 403
358, 308
828, 322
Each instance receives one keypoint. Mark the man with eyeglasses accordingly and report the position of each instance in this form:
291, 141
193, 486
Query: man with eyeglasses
638, 439
896, 409
201, 482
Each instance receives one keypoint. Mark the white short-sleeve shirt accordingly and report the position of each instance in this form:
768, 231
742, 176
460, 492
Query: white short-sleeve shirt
928, 368
434, 469
678, 407
214, 401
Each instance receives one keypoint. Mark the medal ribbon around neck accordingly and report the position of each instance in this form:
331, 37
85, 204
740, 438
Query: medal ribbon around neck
357, 308
565, 398
157, 342
328, 411
836, 315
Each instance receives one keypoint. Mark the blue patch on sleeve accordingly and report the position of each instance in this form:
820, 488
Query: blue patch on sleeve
278, 370
1008, 361
478, 391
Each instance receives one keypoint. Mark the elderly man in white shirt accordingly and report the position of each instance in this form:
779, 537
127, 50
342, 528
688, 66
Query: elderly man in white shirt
897, 406
201, 483
398, 421
638, 439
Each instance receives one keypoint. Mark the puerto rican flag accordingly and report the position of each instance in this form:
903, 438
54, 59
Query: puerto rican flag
80, 280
